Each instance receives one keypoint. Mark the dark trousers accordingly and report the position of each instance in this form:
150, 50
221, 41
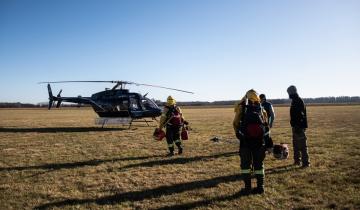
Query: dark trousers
252, 158
300, 146
173, 136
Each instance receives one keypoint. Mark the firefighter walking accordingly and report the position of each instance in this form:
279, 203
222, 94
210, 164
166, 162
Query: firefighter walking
250, 124
172, 118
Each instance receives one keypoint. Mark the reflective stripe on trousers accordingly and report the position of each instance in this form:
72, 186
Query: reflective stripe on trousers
260, 172
245, 171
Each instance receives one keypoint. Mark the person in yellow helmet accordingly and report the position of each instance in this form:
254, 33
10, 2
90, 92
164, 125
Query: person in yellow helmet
173, 119
251, 126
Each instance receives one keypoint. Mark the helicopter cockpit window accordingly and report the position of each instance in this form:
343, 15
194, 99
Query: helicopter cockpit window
148, 104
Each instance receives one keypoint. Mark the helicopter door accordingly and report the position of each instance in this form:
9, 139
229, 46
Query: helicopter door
123, 105
134, 104
135, 107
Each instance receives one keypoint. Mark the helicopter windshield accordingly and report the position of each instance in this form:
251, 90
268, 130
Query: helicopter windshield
148, 104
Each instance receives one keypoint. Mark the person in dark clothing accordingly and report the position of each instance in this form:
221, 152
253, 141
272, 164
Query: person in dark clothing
298, 122
269, 109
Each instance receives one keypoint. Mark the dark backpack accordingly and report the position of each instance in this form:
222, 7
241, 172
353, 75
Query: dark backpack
252, 124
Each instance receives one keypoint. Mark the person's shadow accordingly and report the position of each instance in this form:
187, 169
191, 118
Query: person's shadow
134, 196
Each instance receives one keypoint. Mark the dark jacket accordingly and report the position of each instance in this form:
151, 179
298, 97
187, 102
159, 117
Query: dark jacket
298, 112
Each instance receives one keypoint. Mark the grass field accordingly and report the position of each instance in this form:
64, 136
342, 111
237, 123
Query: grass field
59, 159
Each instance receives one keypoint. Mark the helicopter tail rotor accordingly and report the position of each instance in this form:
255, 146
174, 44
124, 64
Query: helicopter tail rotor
52, 98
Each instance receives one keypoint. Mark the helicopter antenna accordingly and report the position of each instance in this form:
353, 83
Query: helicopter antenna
120, 83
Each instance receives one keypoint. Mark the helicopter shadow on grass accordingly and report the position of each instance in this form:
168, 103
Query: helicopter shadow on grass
161, 191
58, 130
58, 166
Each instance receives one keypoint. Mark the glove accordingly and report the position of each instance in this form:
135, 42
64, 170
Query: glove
186, 122
238, 135
268, 142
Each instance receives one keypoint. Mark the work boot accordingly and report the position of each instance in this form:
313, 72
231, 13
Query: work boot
171, 152
260, 184
297, 163
247, 182
305, 165
178, 144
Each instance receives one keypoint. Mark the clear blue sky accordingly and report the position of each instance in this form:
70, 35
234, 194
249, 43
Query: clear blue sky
217, 49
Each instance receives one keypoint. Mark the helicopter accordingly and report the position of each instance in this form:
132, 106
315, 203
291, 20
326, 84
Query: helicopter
113, 104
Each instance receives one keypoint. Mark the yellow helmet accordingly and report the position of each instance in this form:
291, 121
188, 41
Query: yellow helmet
170, 101
253, 96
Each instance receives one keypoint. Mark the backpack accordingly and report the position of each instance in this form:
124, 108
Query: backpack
174, 116
252, 123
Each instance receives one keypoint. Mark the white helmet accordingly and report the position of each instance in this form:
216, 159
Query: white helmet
281, 151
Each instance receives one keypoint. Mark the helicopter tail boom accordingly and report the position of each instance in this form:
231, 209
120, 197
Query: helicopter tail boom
79, 100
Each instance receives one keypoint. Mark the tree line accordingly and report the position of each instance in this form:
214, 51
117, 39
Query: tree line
320, 100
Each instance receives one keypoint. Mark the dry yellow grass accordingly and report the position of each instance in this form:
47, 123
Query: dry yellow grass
59, 159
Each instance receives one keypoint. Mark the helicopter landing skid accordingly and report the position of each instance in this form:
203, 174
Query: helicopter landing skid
118, 121
143, 120
112, 121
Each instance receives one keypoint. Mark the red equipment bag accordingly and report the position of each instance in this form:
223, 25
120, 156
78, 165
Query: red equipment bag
158, 134
184, 133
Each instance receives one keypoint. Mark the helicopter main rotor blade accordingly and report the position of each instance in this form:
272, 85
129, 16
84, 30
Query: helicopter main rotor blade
157, 86
85, 81
120, 82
